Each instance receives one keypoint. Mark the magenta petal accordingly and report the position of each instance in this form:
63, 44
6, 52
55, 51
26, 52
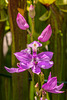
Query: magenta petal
46, 34
59, 87
14, 70
26, 25
45, 86
36, 70
59, 91
43, 57
49, 77
55, 91
46, 56
52, 83
45, 64
49, 54
22, 56
35, 42
26, 66
52, 80
21, 22
26, 51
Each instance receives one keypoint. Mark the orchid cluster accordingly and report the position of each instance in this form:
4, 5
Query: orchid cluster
29, 59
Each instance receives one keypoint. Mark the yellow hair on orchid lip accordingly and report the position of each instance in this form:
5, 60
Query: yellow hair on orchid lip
48, 2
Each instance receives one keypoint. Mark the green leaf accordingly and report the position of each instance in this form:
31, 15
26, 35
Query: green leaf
63, 10
62, 5
45, 16
61, 2
3, 15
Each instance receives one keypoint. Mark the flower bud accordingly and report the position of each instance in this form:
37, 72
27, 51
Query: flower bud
35, 98
21, 22
46, 34
37, 88
42, 78
32, 11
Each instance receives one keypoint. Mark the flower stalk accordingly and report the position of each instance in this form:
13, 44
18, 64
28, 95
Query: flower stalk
32, 29
29, 32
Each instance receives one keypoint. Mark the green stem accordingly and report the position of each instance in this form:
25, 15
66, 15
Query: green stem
33, 85
31, 73
29, 32
32, 29
31, 35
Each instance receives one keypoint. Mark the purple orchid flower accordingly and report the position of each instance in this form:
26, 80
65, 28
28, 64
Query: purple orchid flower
51, 85
21, 22
46, 34
34, 61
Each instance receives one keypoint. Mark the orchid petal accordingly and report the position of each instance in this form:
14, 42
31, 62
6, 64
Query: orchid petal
55, 91
45, 86
49, 54
49, 77
45, 55
52, 82
26, 66
35, 42
22, 56
45, 64
36, 70
60, 86
14, 70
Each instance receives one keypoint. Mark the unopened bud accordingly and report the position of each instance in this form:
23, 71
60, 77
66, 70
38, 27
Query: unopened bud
37, 88
42, 78
35, 98
37, 85
32, 11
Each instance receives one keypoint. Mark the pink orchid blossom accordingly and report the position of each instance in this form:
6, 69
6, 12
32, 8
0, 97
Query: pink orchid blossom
51, 85
34, 61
